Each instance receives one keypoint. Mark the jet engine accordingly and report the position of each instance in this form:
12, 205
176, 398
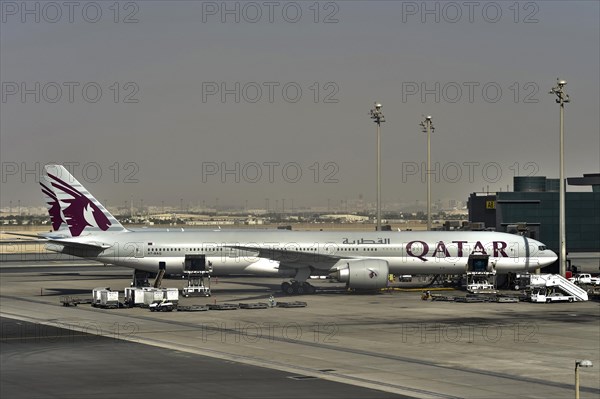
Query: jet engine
363, 274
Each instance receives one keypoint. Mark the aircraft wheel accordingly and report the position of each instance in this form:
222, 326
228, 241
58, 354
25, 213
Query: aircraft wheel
285, 287
570, 299
309, 289
300, 289
288, 288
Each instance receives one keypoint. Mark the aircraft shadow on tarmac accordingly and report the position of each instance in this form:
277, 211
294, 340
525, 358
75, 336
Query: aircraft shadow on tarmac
67, 291
86, 276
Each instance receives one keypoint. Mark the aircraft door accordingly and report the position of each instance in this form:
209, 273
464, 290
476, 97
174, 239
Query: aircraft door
195, 263
139, 250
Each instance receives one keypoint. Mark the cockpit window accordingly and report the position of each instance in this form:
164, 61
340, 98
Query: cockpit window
542, 248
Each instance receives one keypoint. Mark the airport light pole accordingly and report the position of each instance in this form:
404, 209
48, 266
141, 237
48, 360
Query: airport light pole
378, 118
561, 99
578, 364
428, 128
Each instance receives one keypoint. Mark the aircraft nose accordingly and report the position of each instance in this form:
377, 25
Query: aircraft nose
552, 256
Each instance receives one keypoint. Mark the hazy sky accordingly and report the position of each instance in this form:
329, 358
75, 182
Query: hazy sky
277, 95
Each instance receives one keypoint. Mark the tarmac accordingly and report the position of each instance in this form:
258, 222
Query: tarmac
42, 361
340, 345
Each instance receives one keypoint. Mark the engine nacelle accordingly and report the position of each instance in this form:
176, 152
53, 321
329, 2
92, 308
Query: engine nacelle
364, 274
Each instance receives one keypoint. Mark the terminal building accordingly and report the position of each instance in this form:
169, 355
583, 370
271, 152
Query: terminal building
533, 209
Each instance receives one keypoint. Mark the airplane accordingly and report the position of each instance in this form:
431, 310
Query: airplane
84, 228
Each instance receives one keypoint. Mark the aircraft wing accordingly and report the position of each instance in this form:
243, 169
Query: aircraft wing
293, 258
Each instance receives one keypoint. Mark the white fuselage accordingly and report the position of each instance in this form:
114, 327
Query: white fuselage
247, 252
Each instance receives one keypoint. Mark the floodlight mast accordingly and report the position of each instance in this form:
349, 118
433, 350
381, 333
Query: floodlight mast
561, 99
428, 128
378, 118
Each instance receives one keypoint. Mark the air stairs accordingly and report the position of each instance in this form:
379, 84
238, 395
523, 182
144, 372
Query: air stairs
159, 278
558, 281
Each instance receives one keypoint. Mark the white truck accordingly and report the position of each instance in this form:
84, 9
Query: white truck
554, 287
543, 294
162, 306
585, 278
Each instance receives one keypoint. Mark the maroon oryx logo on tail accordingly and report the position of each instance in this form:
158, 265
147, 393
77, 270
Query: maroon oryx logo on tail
80, 212
53, 207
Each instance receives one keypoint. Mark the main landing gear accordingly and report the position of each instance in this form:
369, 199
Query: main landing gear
297, 288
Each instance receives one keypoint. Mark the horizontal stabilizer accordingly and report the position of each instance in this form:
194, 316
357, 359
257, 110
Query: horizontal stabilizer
79, 244
41, 237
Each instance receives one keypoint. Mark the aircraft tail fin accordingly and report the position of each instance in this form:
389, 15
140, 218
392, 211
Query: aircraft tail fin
71, 204
56, 217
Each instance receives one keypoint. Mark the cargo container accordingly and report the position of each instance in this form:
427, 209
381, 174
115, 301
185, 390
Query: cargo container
134, 296
96, 297
103, 297
171, 295
109, 299
151, 295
